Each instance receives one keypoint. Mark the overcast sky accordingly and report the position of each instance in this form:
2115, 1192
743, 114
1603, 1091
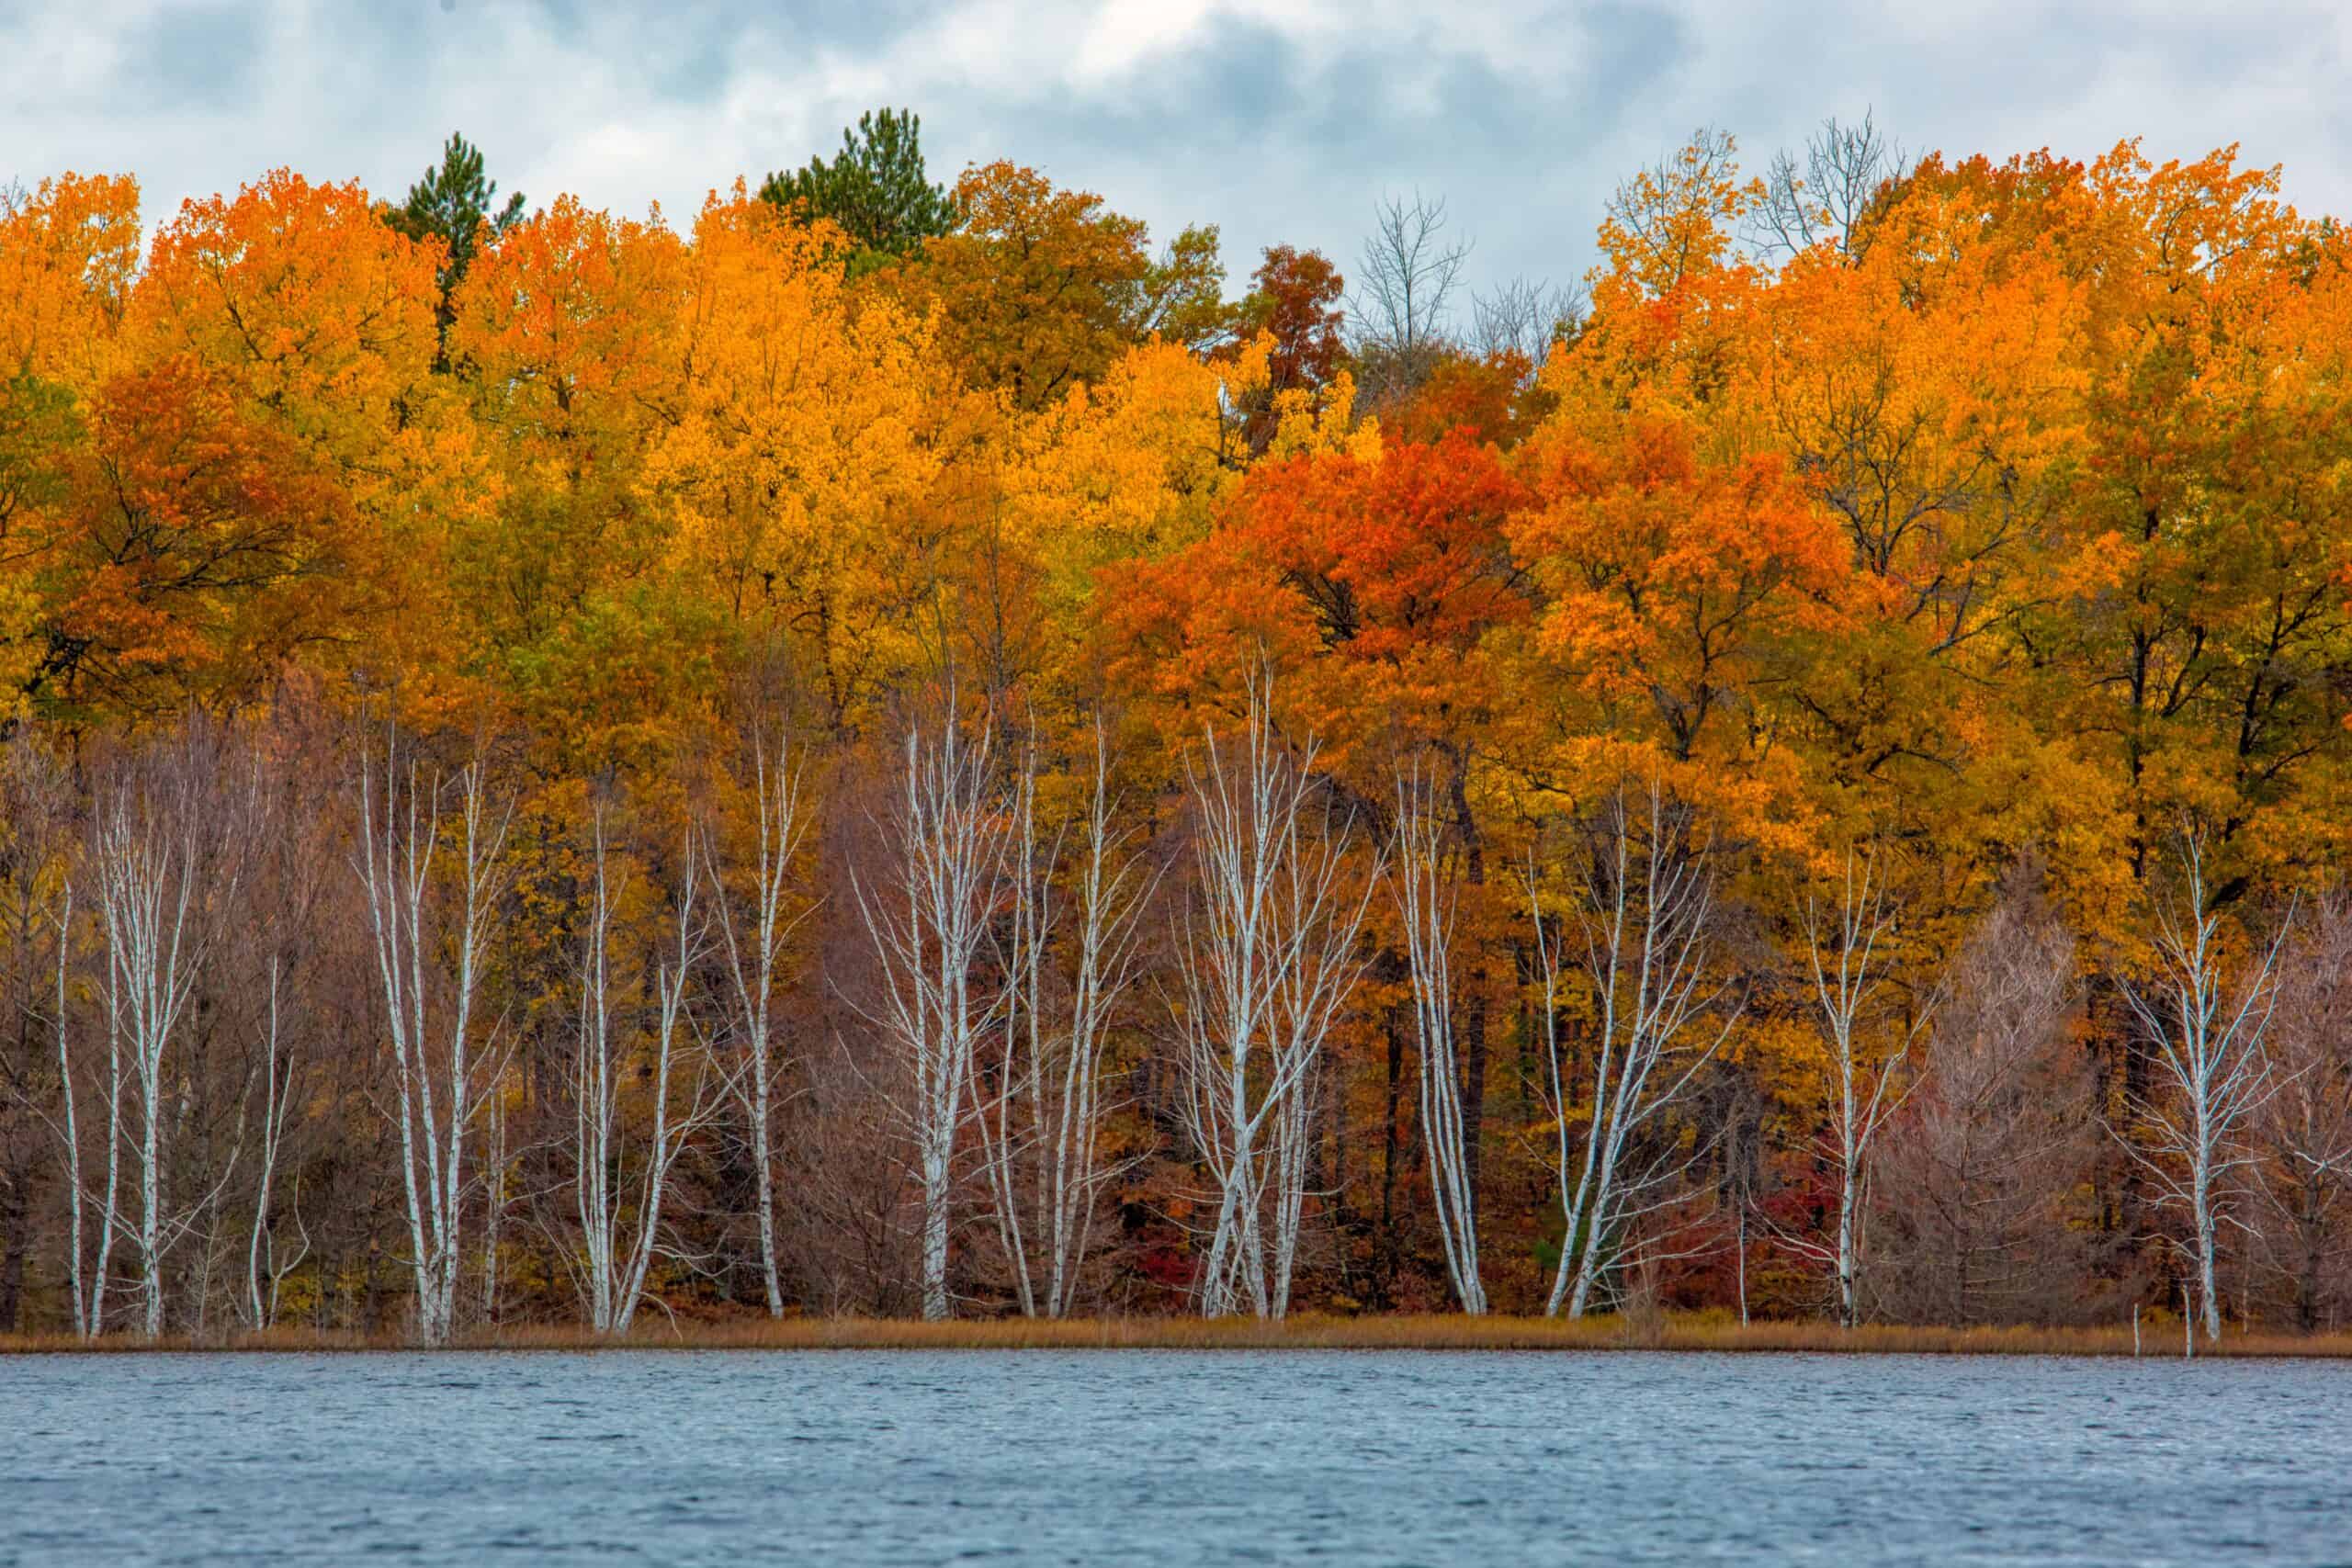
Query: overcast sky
1280, 122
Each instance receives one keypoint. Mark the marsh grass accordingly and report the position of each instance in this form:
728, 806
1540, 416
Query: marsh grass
1643, 1330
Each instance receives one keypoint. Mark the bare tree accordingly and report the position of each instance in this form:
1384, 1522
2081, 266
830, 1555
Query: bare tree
1645, 912
1865, 1044
1312, 987
1427, 888
430, 952
37, 895
272, 998
1404, 292
2208, 1057
2304, 1134
1522, 319
618, 1185
927, 918
1974, 1178
277, 1103
1267, 959
752, 925
166, 852
1824, 194
1041, 1129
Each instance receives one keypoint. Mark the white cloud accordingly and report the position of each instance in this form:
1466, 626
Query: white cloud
1282, 122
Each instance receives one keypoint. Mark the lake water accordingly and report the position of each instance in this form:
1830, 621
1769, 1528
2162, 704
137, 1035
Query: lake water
1171, 1457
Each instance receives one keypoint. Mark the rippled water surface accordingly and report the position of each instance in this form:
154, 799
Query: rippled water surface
1171, 1457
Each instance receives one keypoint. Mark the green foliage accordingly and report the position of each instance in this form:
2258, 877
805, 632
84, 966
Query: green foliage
1181, 296
876, 191
452, 204
38, 423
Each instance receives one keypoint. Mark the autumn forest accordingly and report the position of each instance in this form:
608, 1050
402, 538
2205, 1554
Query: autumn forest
903, 746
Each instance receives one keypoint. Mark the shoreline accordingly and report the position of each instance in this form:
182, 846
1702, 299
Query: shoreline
2159, 1339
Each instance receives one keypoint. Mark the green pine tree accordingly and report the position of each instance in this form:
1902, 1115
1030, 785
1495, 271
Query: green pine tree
453, 203
875, 190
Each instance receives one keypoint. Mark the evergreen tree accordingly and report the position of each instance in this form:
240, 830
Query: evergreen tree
453, 203
875, 190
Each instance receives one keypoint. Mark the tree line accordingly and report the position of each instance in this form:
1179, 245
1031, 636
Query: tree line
897, 750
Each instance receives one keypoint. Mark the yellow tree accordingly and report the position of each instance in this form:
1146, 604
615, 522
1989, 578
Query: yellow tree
807, 471
257, 449
569, 332
1044, 288
69, 249
1926, 389
314, 309
2201, 625
1134, 469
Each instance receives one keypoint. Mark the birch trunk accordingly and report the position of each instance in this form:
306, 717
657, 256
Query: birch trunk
72, 1133
1268, 960
1847, 954
1040, 1130
928, 921
2209, 1053
162, 873
1426, 891
1646, 917
430, 952
276, 1102
751, 932
620, 1217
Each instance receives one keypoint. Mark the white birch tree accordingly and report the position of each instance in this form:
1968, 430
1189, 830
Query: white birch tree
88, 1278
1426, 894
752, 923
262, 1261
618, 1184
431, 948
1268, 958
2205, 1034
927, 917
164, 869
1041, 1127
1644, 915
1847, 955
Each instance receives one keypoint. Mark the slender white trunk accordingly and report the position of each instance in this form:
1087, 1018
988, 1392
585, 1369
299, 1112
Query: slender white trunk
422, 948
670, 1132
1849, 1303
1645, 916
620, 1214
1267, 961
1425, 897
1743, 1261
84, 1322
276, 1102
103, 1265
1293, 1128
2209, 1053
1110, 902
928, 922
595, 1102
495, 1196
1013, 1123
150, 865
1846, 950
1041, 1131
752, 933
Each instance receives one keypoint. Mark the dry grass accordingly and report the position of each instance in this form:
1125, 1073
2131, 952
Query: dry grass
1711, 1332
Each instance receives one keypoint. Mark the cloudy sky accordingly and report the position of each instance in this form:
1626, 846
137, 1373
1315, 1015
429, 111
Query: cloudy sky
1279, 121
